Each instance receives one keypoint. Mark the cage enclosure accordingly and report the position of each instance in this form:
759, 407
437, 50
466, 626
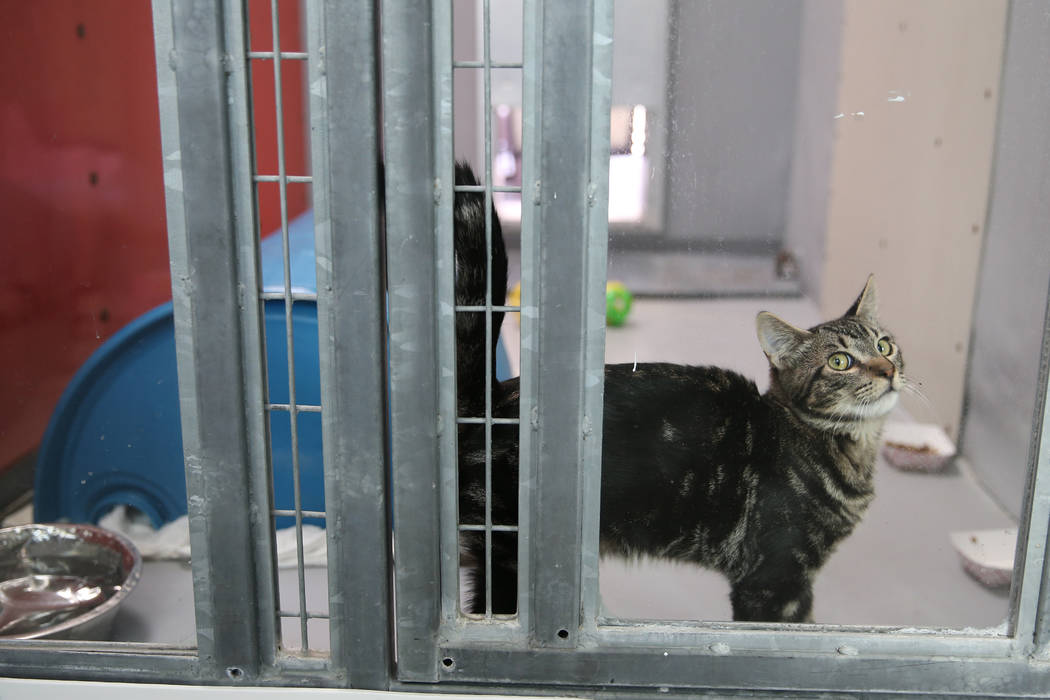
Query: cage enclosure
699, 161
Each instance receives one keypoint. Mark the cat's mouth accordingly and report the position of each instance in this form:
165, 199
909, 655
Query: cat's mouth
877, 407
885, 403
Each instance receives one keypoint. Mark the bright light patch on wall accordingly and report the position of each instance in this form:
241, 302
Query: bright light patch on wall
629, 170
638, 116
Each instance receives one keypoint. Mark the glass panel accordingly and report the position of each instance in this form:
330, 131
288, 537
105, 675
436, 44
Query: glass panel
804, 146
770, 156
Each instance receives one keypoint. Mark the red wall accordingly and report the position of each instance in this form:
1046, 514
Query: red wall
83, 240
296, 120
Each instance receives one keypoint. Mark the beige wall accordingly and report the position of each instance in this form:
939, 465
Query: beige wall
909, 179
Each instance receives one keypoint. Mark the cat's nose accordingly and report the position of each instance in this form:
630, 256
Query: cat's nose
881, 367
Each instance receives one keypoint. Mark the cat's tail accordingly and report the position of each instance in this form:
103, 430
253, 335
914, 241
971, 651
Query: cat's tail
472, 279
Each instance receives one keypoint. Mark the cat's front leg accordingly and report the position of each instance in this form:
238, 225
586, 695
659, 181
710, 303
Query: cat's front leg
777, 591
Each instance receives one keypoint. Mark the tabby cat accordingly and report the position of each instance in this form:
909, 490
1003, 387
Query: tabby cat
697, 465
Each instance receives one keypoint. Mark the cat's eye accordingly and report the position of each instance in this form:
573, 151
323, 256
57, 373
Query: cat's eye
840, 361
884, 346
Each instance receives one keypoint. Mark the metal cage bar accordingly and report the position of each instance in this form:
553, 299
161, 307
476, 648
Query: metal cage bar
486, 80
351, 323
594, 324
444, 163
1030, 595
206, 281
113, 662
559, 400
255, 389
409, 154
528, 344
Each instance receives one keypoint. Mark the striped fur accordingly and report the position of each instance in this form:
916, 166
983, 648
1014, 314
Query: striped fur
699, 467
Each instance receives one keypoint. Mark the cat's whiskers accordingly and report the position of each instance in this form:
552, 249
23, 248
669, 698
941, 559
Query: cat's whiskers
912, 389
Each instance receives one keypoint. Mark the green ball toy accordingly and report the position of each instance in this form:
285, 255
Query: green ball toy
617, 303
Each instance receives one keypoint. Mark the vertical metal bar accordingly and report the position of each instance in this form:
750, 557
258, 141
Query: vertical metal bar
531, 79
597, 263
263, 439
408, 121
255, 385
446, 320
351, 319
1031, 589
487, 106
210, 349
555, 309
293, 409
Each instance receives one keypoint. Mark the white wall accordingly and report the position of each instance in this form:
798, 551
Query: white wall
910, 177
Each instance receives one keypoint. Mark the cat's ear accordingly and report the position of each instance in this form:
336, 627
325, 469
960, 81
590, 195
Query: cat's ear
781, 341
867, 304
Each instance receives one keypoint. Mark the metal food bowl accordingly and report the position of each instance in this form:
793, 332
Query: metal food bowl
63, 581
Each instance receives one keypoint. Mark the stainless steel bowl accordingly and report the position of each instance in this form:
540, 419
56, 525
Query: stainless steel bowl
63, 581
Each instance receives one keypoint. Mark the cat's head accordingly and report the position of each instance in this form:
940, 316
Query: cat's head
839, 375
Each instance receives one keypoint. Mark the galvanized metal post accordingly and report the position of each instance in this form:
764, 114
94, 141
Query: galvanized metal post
597, 264
563, 264
408, 118
444, 296
255, 385
210, 348
1030, 595
351, 324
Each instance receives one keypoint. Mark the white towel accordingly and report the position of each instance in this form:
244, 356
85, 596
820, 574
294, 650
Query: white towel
172, 541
